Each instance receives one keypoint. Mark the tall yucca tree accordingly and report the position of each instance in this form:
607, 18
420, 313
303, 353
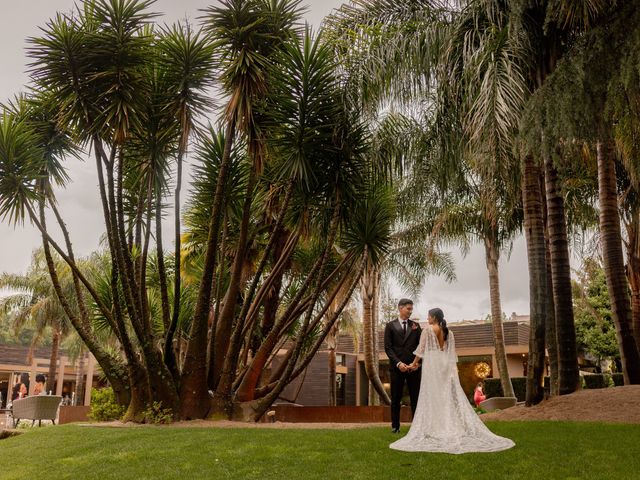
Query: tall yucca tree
97, 92
303, 114
245, 33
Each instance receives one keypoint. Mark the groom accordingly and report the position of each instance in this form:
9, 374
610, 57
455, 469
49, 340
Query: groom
401, 338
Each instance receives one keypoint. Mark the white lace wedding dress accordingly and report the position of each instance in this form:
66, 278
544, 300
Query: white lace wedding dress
444, 420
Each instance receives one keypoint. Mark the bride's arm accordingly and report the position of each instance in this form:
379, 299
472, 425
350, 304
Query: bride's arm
416, 363
419, 352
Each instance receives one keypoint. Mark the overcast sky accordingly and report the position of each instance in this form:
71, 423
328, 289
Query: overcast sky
468, 298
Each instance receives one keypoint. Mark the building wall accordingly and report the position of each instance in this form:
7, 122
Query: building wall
514, 364
315, 384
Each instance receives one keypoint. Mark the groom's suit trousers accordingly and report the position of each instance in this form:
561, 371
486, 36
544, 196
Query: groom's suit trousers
398, 380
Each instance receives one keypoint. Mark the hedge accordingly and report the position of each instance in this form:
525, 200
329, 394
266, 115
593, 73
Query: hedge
618, 379
599, 380
492, 387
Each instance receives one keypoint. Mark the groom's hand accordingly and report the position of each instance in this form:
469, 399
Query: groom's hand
403, 368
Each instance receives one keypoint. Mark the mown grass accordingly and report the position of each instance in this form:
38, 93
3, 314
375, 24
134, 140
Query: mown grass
544, 450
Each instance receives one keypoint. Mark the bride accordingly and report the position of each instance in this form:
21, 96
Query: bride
444, 420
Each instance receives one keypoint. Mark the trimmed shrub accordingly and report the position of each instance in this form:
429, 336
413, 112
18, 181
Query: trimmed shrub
618, 379
492, 387
104, 406
596, 380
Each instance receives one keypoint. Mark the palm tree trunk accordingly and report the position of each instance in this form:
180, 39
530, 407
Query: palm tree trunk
53, 358
79, 387
536, 253
246, 391
492, 258
177, 256
193, 386
611, 239
633, 270
568, 372
550, 328
368, 292
214, 311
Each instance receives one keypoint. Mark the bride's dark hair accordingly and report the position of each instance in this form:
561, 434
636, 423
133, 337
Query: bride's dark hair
438, 314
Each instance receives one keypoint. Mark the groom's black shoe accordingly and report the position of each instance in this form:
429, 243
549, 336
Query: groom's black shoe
395, 430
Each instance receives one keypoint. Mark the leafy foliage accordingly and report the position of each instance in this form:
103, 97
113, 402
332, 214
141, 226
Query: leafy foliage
595, 331
104, 406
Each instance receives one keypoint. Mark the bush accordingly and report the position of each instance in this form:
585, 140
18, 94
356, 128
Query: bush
156, 414
618, 379
104, 406
492, 387
597, 380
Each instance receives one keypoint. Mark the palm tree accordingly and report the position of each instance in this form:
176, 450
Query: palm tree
593, 58
35, 303
509, 50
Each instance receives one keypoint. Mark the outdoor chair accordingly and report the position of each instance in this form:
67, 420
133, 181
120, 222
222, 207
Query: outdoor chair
39, 407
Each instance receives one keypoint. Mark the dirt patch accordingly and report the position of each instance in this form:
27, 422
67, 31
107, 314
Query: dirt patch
609, 405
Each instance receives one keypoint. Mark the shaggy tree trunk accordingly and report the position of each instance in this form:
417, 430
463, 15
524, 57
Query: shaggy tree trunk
611, 239
79, 387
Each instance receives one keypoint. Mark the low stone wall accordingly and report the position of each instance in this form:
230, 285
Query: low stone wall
298, 414
73, 414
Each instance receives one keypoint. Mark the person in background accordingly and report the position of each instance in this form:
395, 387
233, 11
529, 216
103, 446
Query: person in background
40, 387
15, 391
478, 394
21, 388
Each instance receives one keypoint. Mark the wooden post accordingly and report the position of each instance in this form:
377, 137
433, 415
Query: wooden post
60, 379
89, 381
32, 375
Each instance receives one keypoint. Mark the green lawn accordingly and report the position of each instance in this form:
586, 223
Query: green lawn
544, 450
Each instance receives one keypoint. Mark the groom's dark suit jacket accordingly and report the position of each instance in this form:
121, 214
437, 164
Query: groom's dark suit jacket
400, 347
